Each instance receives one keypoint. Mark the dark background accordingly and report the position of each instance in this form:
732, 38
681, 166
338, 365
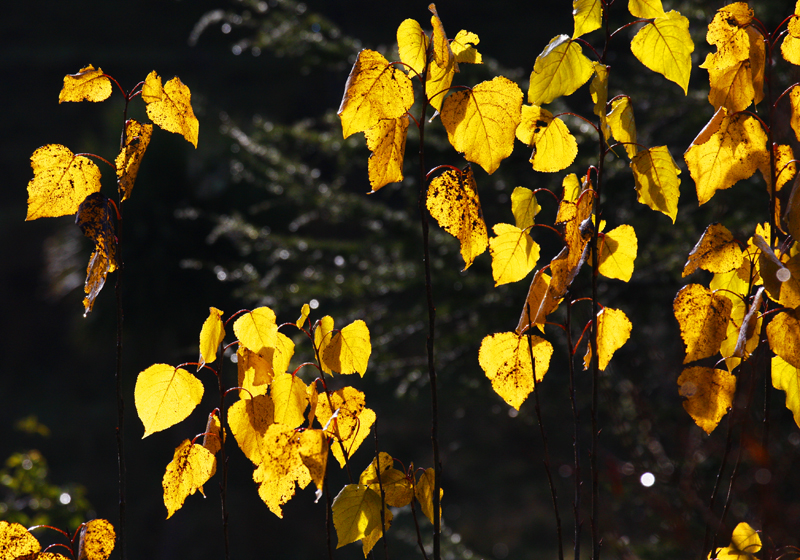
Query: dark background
208, 226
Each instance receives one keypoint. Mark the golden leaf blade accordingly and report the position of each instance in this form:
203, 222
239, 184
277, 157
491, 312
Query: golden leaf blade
453, 202
506, 360
281, 468
598, 89
463, 47
539, 303
288, 394
387, 142
352, 424
170, 106
743, 332
165, 395
87, 85
524, 206
211, 336
442, 53
257, 329
412, 44
715, 251
137, 138
94, 219
554, 147
745, 542
372, 538
350, 349
514, 254
375, 90
790, 47
423, 491
786, 377
758, 54
618, 253
587, 16
703, 318
17, 542
282, 353
709, 393
437, 82
646, 8
481, 122
213, 435
323, 334
254, 371
314, 454
727, 31
61, 181
783, 333
356, 512
655, 174
613, 331
785, 166
665, 46
560, 69
248, 419
623, 125
731, 86
397, 488
304, 312
190, 468
97, 540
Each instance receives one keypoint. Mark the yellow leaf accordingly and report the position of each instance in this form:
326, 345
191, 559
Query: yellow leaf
190, 469
165, 395
514, 254
730, 148
304, 311
352, 424
598, 89
554, 148
349, 349
288, 394
745, 542
375, 90
506, 360
783, 333
727, 31
572, 187
709, 393
731, 86
314, 454
736, 281
256, 329
248, 420
623, 125
785, 165
618, 252
170, 106
137, 138
453, 202
665, 46
254, 371
539, 303
463, 47
655, 174
211, 336
587, 15
646, 8
61, 181
313, 399
524, 207
716, 251
423, 491
560, 69
613, 331
281, 468
323, 334
437, 82
16, 542
758, 53
87, 85
356, 512
387, 142
372, 538
442, 53
412, 44
794, 98
212, 438
481, 121
790, 48
97, 540
282, 353
703, 318
397, 488
786, 293
786, 377
94, 219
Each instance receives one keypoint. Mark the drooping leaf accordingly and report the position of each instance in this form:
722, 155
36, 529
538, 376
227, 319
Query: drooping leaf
524, 207
727, 31
731, 86
587, 15
314, 454
375, 90
356, 512
254, 371
87, 85
137, 138
349, 349
412, 44
397, 488
453, 202
372, 538
665, 46
423, 491
743, 332
213, 435
613, 331
560, 69
288, 394
249, 419
387, 142
709, 393
481, 121
786, 378
165, 395
170, 106
256, 329
646, 8
189, 470
281, 468
352, 424
94, 217
506, 360
211, 336
623, 125
97, 540
598, 89
463, 47
304, 311
61, 181
514, 254
16, 542
785, 166
442, 53
443, 64
657, 183
716, 251
539, 303
323, 334
783, 333
554, 147
703, 319
745, 542
618, 253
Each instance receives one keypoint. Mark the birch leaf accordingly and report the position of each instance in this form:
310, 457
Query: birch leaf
94, 217
248, 419
703, 318
514, 254
745, 542
314, 454
281, 469
655, 174
323, 334
665, 46
288, 394
165, 395
709, 394
587, 15
618, 253
646, 9
137, 138
716, 251
598, 89
463, 47
623, 125
189, 470
254, 371
87, 85
613, 331
350, 349
412, 45
170, 106
783, 333
356, 512
538, 304
351, 426
97, 540
560, 69
387, 142
61, 181
554, 147
256, 329
423, 491
211, 336
727, 32
524, 207
16, 542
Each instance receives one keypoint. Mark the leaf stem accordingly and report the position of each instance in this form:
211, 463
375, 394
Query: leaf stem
576, 504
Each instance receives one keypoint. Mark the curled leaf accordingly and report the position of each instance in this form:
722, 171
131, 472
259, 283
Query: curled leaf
613, 331
211, 336
137, 138
94, 217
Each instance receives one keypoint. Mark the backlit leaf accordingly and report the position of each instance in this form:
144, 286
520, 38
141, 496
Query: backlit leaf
618, 253
97, 540
598, 89
709, 393
61, 181
731, 86
785, 293
323, 335
314, 454
443, 65
387, 142
703, 319
412, 44
304, 311
514, 254
351, 425
794, 98
665, 46
16, 542
397, 488
588, 16
506, 360
560, 69
790, 47
248, 420
442, 53
786, 377
554, 148
655, 174
282, 353
257, 329
423, 491
716, 251
211, 336
190, 468
524, 207
539, 303
87, 85
613, 331
758, 53
572, 187
745, 542
372, 538
622, 124
170, 106
453, 202
165, 395
785, 166
356, 512
254, 371
783, 333
646, 8
727, 31
137, 138
739, 343
481, 121
288, 394
349, 349
281, 468
375, 90
463, 47
95, 220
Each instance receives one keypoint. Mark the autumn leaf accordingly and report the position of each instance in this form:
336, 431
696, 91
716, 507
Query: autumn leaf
572, 187
352, 424
623, 125
87, 85
61, 181
786, 378
655, 174
211, 336
665, 46
281, 468
94, 217
598, 90
397, 488
453, 202
16, 542
790, 47
356, 512
313, 451
463, 47
423, 491
785, 166
709, 394
613, 331
745, 542
387, 142
716, 251
783, 333
282, 353
560, 69
170, 106
703, 318
137, 138
731, 86
539, 303
372, 538
587, 15
758, 54
412, 45
618, 253
165, 395
97, 540
442, 53
794, 98
524, 207
257, 329
744, 330
554, 147
481, 121
248, 419
349, 349
254, 371
213, 434
288, 394
646, 8
189, 470
323, 334
514, 254
304, 311
727, 31
506, 360
786, 293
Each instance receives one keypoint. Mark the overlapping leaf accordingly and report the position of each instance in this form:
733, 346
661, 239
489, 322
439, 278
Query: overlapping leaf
618, 250
514, 254
248, 420
786, 378
709, 394
657, 184
165, 395
613, 331
256, 329
387, 142
727, 31
623, 125
281, 468
349, 349
137, 138
16, 542
524, 207
95, 219
356, 513
96, 541
463, 47
423, 491
560, 69
254, 371
554, 147
716, 251
790, 47
190, 468
745, 543
646, 8
703, 318
539, 303
783, 333
323, 334
170, 106
665, 46
412, 44
352, 423
314, 454
61, 181
288, 394
211, 336
598, 89
87, 85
